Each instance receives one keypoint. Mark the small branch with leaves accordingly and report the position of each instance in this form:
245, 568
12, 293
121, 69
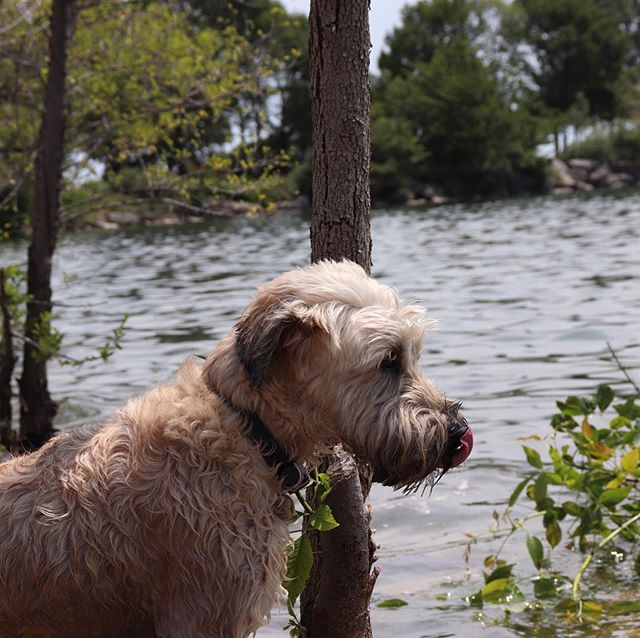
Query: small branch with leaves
300, 559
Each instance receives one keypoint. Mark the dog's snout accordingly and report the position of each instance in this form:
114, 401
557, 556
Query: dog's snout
460, 442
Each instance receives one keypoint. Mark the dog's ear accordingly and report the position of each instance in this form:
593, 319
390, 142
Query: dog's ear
269, 325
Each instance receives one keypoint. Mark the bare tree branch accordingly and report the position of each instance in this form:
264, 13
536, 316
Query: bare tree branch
623, 369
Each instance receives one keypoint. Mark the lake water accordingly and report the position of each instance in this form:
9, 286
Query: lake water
527, 294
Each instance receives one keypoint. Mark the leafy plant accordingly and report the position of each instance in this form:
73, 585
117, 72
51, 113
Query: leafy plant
47, 340
300, 557
585, 489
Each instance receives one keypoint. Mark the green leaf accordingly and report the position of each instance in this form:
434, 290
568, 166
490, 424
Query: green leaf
604, 397
620, 422
592, 609
574, 480
496, 590
576, 406
475, 599
503, 571
516, 493
545, 587
322, 519
536, 551
560, 513
571, 508
392, 603
533, 457
623, 607
613, 497
554, 479
589, 521
628, 409
324, 487
501, 590
630, 460
299, 564
554, 532
540, 489
568, 605
563, 422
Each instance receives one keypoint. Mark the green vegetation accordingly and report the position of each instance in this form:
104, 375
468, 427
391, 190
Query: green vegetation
621, 145
580, 50
470, 139
316, 515
584, 492
47, 342
166, 102
447, 92
470, 88
185, 104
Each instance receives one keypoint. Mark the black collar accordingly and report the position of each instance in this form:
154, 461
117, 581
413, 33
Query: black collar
291, 475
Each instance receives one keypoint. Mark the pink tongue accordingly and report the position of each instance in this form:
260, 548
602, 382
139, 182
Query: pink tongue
467, 443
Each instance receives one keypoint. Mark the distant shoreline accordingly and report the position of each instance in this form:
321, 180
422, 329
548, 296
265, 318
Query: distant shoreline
564, 178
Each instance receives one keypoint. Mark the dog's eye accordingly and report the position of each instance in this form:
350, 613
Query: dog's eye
391, 362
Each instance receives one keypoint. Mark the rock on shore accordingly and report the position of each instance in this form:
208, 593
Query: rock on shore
585, 175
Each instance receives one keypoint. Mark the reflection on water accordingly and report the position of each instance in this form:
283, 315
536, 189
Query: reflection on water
527, 294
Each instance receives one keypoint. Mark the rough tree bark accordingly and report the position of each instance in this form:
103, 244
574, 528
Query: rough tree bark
339, 46
7, 362
37, 408
336, 600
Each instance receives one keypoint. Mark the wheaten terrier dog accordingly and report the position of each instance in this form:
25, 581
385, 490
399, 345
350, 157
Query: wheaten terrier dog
169, 520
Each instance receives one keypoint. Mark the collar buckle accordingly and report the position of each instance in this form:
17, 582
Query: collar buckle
292, 477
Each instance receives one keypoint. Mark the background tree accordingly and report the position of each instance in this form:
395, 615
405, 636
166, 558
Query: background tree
579, 53
579, 47
152, 94
425, 26
23, 43
37, 409
397, 155
338, 593
280, 36
442, 83
158, 95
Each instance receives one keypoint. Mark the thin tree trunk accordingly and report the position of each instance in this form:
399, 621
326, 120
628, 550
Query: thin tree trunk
336, 600
7, 362
339, 46
37, 408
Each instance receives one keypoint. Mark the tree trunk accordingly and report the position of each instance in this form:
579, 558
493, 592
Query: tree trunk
336, 600
7, 362
37, 408
339, 57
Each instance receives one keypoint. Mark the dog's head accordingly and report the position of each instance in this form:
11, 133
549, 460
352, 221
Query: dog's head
328, 354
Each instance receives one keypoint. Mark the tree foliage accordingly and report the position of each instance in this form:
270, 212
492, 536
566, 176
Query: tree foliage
156, 90
193, 101
425, 27
580, 49
468, 134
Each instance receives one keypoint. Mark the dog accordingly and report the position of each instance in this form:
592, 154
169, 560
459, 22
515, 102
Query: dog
171, 519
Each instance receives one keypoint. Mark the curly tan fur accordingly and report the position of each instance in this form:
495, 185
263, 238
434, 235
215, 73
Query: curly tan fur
166, 521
